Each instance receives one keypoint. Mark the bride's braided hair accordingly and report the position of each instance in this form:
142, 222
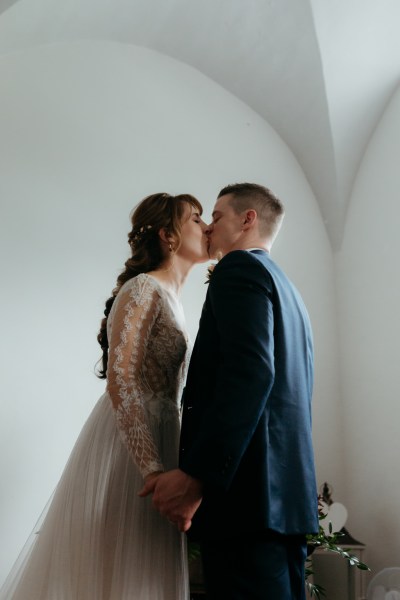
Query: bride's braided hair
155, 212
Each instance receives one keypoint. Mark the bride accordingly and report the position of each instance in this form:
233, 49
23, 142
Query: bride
98, 540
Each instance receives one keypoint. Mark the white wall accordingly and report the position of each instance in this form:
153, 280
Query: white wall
369, 300
87, 130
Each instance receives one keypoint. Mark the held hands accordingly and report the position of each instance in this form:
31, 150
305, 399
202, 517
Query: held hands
176, 495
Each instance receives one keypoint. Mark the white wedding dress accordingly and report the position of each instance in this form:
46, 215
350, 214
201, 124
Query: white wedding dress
97, 539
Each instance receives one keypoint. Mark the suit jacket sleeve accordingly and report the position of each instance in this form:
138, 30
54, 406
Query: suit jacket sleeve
240, 299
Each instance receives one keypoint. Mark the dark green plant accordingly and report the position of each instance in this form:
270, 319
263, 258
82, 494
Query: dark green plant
328, 542
193, 550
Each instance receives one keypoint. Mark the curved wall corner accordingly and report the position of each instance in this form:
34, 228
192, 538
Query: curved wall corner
368, 307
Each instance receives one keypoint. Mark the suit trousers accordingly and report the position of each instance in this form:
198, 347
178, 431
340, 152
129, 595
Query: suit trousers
268, 566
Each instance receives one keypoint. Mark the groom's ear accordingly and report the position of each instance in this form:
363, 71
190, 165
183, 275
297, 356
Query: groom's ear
249, 218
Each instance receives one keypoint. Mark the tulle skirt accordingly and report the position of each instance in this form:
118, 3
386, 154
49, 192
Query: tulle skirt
97, 540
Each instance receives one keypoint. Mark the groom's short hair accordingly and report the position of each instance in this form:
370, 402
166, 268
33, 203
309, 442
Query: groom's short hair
270, 210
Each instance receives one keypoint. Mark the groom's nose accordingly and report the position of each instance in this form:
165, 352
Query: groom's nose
208, 229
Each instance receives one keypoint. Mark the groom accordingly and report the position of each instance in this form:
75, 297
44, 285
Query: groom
246, 486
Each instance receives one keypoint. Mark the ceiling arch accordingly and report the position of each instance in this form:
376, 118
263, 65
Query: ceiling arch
314, 71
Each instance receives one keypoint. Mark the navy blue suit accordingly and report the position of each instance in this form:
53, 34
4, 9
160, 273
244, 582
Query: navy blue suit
246, 425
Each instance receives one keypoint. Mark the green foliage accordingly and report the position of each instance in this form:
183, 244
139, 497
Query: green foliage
193, 550
314, 589
329, 543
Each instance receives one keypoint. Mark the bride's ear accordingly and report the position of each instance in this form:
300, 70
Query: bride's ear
165, 236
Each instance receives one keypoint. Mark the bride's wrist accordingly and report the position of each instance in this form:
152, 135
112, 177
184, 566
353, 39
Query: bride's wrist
152, 475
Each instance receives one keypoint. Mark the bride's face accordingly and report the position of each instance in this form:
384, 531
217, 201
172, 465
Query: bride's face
193, 240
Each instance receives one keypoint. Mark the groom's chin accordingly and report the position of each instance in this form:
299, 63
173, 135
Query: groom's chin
214, 254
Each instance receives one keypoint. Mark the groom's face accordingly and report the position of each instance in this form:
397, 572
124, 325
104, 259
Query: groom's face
225, 229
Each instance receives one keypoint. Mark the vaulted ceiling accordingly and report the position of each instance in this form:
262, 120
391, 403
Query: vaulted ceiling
320, 72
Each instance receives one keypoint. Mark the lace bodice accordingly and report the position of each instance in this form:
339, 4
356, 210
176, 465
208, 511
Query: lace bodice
147, 364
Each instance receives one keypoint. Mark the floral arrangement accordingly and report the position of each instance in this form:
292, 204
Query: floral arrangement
210, 270
212, 266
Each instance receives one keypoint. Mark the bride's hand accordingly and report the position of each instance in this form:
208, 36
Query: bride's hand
153, 475
149, 483
177, 496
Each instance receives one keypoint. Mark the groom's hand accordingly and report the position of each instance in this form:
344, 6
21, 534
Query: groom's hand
176, 495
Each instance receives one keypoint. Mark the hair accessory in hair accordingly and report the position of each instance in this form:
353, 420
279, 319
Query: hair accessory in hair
138, 234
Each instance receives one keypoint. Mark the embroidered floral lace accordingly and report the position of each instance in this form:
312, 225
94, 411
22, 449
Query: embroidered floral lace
146, 366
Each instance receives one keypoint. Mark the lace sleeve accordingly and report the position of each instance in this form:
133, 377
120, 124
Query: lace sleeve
136, 310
